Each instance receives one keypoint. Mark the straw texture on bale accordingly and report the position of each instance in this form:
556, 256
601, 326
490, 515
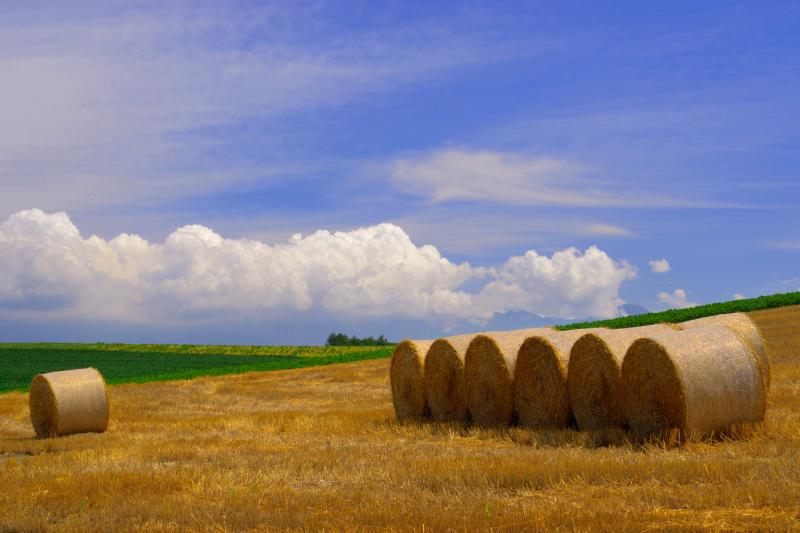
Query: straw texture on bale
489, 374
748, 331
444, 378
540, 378
70, 401
698, 381
595, 375
407, 377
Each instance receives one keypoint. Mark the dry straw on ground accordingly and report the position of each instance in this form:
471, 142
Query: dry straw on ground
594, 370
699, 381
540, 378
407, 377
747, 330
489, 373
70, 401
444, 378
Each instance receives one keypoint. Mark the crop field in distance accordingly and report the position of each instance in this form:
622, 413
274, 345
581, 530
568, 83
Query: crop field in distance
318, 448
138, 363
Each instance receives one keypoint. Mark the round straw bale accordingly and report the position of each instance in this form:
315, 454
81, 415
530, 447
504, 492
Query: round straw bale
70, 401
594, 375
540, 378
407, 377
748, 331
489, 374
444, 378
699, 381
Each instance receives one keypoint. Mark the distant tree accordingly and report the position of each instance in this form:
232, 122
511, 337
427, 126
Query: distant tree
340, 339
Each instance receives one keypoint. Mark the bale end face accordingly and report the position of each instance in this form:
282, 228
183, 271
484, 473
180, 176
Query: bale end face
445, 386
407, 378
489, 383
594, 386
44, 412
653, 397
540, 385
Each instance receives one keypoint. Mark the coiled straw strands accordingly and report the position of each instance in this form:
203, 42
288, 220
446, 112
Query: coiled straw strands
489, 373
444, 378
595, 375
540, 378
70, 401
407, 377
742, 325
699, 381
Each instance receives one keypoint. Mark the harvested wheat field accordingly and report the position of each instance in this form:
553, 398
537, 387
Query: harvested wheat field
319, 448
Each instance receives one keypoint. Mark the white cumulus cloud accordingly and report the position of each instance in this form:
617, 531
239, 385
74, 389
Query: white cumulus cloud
47, 267
676, 299
660, 266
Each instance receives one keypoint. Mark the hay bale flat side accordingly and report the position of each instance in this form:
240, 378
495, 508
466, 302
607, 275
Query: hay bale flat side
67, 402
407, 378
540, 378
699, 381
595, 372
748, 331
445, 387
489, 374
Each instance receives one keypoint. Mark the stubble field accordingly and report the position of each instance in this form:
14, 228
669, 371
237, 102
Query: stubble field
318, 448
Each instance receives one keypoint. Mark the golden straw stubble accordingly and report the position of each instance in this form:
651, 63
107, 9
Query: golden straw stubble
67, 402
699, 381
407, 378
445, 386
489, 373
540, 378
748, 331
595, 375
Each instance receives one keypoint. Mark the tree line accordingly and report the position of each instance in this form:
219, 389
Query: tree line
340, 339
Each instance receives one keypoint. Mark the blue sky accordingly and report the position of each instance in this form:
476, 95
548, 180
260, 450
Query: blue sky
503, 134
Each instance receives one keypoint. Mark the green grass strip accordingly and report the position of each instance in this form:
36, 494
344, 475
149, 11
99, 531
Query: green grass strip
19, 363
682, 315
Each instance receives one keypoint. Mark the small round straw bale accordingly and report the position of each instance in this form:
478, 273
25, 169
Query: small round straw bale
540, 378
699, 381
444, 378
407, 377
595, 372
489, 374
70, 401
748, 331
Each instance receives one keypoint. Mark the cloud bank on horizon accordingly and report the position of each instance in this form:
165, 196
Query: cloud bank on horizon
47, 267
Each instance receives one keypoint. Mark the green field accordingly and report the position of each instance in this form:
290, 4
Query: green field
682, 315
138, 363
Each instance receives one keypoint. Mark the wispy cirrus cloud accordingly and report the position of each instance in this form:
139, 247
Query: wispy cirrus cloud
453, 174
127, 104
788, 245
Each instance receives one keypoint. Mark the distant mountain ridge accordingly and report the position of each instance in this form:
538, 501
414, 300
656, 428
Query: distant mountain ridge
524, 319
631, 310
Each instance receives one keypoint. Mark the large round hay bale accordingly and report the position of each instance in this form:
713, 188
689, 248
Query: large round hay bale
748, 331
407, 377
489, 374
595, 373
540, 378
445, 387
698, 381
70, 401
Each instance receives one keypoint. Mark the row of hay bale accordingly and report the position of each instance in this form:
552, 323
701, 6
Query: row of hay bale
702, 376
